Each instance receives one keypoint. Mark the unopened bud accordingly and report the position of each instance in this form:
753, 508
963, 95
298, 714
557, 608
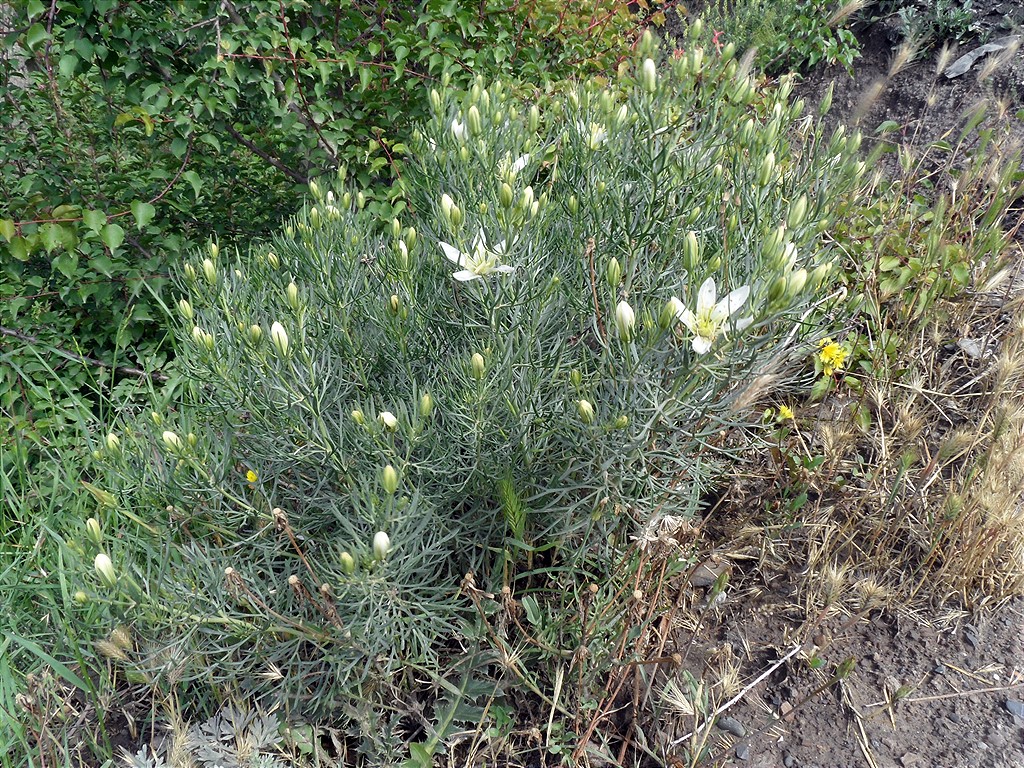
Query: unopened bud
389, 480
279, 337
209, 271
797, 212
185, 310
381, 545
621, 422
360, 200
573, 204
394, 304
113, 443
586, 411
435, 100
691, 251
358, 418
348, 563
93, 531
534, 120
505, 195
797, 281
473, 121
255, 334
105, 568
625, 321
613, 273
272, 260
190, 273
670, 313
426, 405
388, 419
764, 175
292, 294
314, 189
576, 377
172, 441
649, 76
477, 366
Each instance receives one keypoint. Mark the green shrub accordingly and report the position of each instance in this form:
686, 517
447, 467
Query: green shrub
364, 424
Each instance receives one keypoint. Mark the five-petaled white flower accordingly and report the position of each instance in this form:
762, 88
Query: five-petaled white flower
481, 262
711, 317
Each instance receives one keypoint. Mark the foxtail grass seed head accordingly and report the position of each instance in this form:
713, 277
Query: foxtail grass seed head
93, 531
649, 76
279, 337
209, 271
388, 419
613, 273
625, 321
105, 569
348, 563
113, 442
477, 366
381, 545
172, 441
389, 480
586, 411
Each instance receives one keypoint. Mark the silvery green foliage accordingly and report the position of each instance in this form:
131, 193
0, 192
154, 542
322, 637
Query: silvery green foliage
514, 349
232, 738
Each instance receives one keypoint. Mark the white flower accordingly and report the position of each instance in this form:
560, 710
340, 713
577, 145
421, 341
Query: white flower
459, 130
625, 320
595, 133
388, 419
478, 264
521, 162
706, 324
381, 545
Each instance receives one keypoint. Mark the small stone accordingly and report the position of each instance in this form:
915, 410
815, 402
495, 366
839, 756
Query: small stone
743, 751
730, 725
953, 716
786, 711
910, 759
1014, 707
788, 761
971, 635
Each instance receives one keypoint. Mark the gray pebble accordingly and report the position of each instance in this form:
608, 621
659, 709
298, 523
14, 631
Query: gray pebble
1014, 707
730, 725
788, 761
743, 751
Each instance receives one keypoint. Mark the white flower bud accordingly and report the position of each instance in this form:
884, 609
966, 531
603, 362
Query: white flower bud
388, 419
93, 531
292, 295
473, 121
691, 251
625, 320
358, 418
113, 443
279, 337
105, 568
381, 545
172, 441
649, 76
348, 563
586, 411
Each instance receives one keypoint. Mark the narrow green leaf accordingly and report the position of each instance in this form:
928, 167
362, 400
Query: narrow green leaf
46, 658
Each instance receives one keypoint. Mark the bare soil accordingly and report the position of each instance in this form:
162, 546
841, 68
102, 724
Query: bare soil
931, 687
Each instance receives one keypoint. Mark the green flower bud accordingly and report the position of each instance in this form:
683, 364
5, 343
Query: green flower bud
279, 337
409, 237
576, 377
214, 250
613, 273
764, 174
93, 531
255, 334
695, 29
426, 405
389, 480
473, 121
670, 313
777, 289
156, 418
314, 190
105, 569
435, 101
534, 120
464, 154
728, 51
185, 310
573, 205
381, 546
81, 598
113, 443
314, 217
586, 411
360, 200
477, 366
797, 281
190, 273
691, 251
396, 228
192, 439
209, 271
292, 295
505, 195
797, 212
621, 422
394, 304
826, 100
526, 200
348, 563
820, 275
358, 418
272, 260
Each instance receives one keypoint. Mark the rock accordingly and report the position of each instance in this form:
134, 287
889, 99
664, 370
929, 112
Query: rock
910, 759
743, 751
786, 711
788, 761
955, 717
971, 635
733, 726
1014, 707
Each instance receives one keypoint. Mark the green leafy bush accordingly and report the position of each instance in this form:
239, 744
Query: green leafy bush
367, 421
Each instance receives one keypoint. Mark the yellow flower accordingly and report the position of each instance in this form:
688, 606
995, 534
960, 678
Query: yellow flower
786, 413
832, 356
251, 476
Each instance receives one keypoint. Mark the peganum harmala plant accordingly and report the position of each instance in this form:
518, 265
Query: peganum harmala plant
558, 342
